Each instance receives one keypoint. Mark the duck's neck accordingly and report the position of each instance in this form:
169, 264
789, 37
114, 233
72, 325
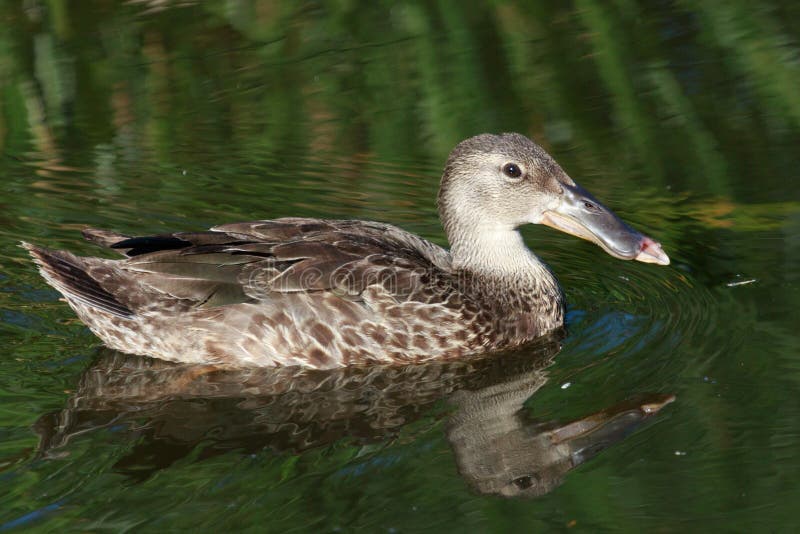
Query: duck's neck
497, 252
498, 256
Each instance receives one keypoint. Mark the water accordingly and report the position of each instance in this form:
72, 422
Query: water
150, 116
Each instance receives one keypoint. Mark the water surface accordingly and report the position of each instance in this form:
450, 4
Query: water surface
150, 116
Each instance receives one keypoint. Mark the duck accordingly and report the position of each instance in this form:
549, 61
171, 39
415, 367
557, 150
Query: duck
324, 293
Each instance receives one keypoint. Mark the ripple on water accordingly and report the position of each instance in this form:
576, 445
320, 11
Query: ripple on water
630, 310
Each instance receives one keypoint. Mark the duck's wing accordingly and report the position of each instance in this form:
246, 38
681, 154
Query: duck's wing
252, 261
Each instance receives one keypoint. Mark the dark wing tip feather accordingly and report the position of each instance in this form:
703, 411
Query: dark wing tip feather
136, 246
64, 272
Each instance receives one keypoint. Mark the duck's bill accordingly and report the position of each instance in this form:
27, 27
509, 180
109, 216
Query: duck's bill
581, 215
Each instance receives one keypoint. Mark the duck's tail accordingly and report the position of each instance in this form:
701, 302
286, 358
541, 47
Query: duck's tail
71, 275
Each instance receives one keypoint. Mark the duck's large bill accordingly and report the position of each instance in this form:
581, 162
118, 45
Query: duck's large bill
581, 215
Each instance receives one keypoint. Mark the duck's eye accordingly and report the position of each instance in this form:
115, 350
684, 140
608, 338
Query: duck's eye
524, 482
512, 170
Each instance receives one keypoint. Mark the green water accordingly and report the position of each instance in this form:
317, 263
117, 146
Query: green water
153, 116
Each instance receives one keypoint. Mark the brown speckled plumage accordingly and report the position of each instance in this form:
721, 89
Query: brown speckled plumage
326, 293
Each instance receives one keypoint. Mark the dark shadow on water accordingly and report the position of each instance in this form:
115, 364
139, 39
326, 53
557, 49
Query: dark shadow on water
172, 411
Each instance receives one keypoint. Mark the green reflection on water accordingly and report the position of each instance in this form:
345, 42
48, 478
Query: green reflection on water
155, 116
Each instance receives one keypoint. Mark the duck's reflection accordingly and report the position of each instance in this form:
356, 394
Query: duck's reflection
174, 410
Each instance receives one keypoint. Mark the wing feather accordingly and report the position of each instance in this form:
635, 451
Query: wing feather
257, 260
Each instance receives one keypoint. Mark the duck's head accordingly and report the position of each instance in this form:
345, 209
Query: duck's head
493, 184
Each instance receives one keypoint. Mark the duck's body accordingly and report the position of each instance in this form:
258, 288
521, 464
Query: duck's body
323, 293
296, 291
